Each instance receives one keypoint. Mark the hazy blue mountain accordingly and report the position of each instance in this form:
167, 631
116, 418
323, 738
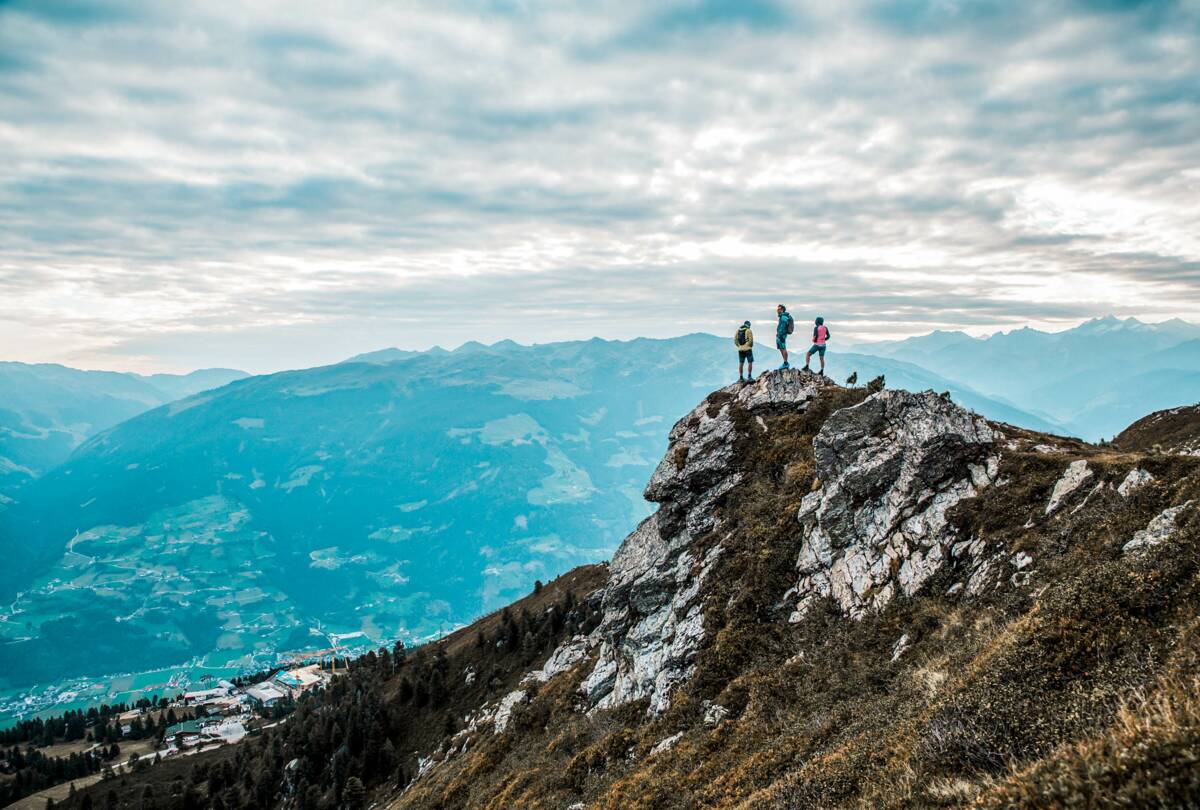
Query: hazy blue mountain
900, 374
383, 498
1093, 379
391, 355
47, 410
918, 345
1185, 357
1113, 400
178, 386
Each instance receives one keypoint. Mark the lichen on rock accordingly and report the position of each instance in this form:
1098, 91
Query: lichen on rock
892, 468
653, 622
1158, 531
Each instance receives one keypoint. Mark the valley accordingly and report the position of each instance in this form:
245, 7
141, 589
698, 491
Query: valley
842, 599
396, 496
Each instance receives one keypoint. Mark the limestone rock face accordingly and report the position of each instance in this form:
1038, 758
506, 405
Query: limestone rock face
892, 466
1075, 476
1136, 479
653, 620
1161, 528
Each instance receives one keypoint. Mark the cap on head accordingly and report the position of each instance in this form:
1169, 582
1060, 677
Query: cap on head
820, 320
746, 324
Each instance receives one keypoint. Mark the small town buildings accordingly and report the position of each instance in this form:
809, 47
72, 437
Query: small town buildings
207, 695
301, 679
183, 734
228, 731
265, 694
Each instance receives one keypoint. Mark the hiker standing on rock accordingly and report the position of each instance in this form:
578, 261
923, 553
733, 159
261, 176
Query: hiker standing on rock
743, 339
820, 336
786, 327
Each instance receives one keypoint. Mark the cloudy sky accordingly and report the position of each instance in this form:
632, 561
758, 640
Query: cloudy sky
281, 184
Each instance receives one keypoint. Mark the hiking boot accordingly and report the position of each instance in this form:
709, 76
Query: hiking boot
806, 368
785, 365
750, 379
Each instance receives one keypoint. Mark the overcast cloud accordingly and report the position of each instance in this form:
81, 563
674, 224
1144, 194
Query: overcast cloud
279, 184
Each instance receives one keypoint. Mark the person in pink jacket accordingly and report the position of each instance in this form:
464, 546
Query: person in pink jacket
819, 339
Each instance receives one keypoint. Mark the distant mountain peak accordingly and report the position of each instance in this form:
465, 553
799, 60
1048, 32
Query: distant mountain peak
1106, 323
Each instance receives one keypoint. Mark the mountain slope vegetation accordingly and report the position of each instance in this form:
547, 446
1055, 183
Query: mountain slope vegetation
368, 500
396, 495
47, 410
844, 599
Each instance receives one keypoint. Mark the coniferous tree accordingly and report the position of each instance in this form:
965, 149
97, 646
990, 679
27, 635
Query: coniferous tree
354, 794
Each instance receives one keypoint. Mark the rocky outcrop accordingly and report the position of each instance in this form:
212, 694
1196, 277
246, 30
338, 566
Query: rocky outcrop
1135, 480
891, 467
1160, 529
653, 608
1076, 475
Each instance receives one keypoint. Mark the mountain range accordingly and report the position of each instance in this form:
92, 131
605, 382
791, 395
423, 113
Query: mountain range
47, 410
843, 599
1091, 381
368, 500
397, 494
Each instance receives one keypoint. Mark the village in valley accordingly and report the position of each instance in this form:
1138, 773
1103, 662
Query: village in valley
78, 748
227, 712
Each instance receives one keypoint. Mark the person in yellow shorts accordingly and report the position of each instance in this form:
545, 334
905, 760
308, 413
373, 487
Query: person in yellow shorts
743, 339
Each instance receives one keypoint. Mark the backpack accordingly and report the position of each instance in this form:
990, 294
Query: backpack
741, 337
818, 337
791, 324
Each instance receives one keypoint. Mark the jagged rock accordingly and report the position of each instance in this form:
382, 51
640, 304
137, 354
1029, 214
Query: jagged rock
1076, 474
424, 766
696, 468
900, 647
505, 710
666, 744
1136, 479
1159, 530
568, 654
652, 630
892, 466
653, 614
978, 581
714, 713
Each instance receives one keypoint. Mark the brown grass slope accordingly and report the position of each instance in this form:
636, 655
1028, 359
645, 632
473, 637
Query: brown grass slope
1170, 431
374, 723
1068, 685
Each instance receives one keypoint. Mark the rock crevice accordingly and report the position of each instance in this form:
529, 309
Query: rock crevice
892, 468
653, 623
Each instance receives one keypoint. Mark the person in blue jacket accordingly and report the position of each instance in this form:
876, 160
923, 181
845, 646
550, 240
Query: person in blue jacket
785, 327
